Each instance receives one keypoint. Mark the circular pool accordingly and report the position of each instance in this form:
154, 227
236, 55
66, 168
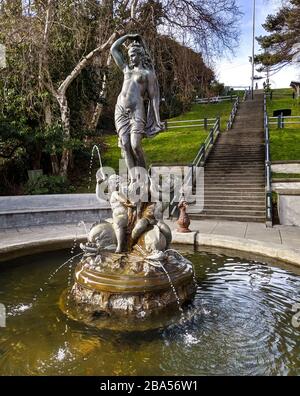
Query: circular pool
243, 321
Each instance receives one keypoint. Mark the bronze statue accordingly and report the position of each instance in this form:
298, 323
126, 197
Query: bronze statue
128, 267
140, 83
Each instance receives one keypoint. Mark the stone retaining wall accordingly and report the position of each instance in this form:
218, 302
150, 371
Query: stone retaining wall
26, 211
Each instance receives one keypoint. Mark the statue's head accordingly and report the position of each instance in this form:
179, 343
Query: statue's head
138, 54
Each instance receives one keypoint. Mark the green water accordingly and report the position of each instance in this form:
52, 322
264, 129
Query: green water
240, 323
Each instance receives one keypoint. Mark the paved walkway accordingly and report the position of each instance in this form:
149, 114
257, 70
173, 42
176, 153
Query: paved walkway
282, 242
287, 236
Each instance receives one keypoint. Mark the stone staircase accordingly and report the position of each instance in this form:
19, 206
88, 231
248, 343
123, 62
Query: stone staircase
234, 187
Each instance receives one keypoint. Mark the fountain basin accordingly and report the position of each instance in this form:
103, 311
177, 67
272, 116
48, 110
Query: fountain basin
239, 323
130, 285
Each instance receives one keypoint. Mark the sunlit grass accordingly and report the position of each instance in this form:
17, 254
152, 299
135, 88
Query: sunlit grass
285, 143
176, 145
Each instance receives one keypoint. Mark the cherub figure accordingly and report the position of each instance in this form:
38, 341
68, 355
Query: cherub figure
120, 206
151, 214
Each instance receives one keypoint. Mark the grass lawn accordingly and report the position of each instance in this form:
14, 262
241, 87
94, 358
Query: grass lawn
167, 147
285, 143
177, 145
285, 175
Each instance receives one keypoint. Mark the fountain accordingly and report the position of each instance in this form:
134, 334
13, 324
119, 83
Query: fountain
128, 269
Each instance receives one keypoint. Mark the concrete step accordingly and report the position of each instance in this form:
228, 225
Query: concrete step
234, 183
235, 201
246, 218
234, 189
258, 152
234, 150
248, 123
225, 169
239, 174
213, 211
211, 195
233, 208
235, 179
237, 157
234, 186
234, 171
237, 160
228, 163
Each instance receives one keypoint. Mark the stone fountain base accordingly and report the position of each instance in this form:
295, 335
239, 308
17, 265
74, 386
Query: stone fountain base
131, 285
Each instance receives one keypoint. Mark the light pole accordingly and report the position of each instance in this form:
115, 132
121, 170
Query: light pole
253, 50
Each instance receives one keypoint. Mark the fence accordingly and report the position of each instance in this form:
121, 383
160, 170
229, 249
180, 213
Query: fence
201, 123
281, 121
278, 95
215, 99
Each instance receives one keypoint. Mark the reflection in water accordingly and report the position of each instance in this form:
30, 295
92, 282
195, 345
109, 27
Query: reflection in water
239, 323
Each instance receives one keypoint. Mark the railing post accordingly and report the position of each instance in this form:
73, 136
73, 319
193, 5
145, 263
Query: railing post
205, 123
282, 121
211, 136
219, 123
279, 121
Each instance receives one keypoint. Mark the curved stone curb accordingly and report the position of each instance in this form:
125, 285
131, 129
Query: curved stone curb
27, 248
270, 250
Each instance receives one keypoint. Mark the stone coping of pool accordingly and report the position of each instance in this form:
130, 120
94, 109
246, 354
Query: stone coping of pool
286, 162
283, 191
27, 243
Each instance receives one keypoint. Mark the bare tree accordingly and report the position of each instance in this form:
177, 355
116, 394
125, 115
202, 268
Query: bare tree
60, 95
209, 26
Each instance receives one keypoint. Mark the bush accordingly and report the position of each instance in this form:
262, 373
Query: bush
48, 185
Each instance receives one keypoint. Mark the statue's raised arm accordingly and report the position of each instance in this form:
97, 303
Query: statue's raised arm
116, 49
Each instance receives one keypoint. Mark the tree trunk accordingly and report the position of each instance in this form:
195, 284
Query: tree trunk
65, 119
102, 98
53, 156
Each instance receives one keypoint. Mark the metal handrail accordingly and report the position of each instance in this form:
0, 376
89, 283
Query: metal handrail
233, 113
210, 140
246, 93
268, 170
200, 158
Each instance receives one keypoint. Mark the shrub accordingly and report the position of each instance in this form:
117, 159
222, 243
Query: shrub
48, 185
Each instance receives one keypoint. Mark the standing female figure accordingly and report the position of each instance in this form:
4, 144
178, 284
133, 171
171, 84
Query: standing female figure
132, 120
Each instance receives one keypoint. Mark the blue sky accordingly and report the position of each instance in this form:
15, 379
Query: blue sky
237, 70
